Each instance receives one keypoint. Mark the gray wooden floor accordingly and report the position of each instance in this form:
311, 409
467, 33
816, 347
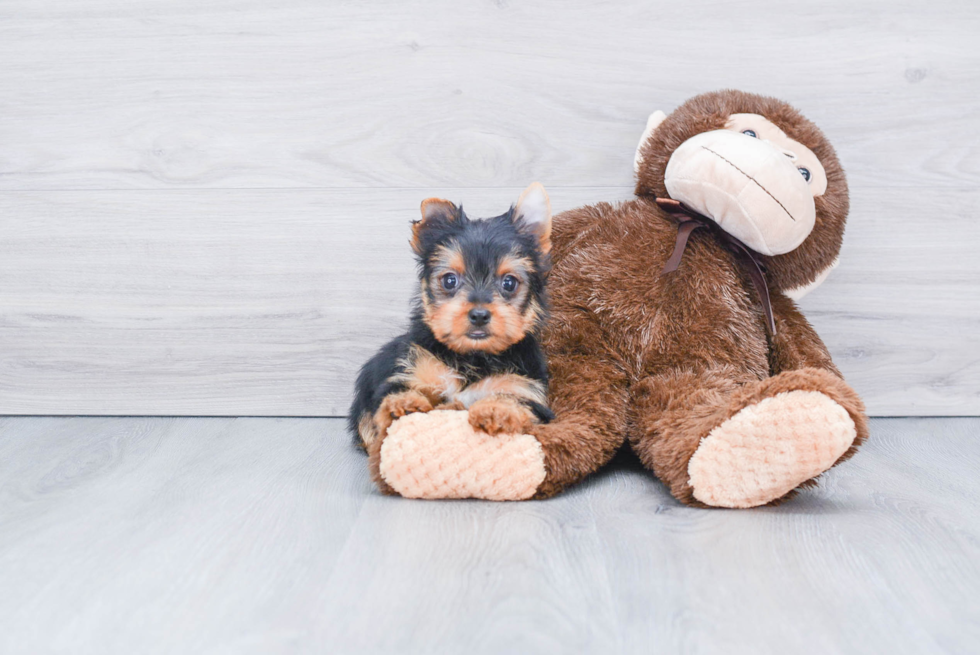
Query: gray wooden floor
176, 535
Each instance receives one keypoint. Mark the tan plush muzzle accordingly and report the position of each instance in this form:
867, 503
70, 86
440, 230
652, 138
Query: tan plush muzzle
749, 186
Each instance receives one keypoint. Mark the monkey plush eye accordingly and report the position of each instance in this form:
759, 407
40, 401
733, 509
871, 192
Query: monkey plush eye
750, 133
449, 281
805, 172
509, 283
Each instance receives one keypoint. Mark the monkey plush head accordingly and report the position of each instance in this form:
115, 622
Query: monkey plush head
761, 171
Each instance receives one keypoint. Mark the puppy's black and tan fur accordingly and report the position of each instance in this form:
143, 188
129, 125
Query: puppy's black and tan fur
472, 343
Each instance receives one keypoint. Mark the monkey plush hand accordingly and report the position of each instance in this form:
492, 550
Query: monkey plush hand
686, 343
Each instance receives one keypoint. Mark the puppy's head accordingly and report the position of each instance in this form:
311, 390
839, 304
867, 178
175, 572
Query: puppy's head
483, 281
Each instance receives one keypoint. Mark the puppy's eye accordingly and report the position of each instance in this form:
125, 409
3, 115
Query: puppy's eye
509, 283
805, 172
450, 281
750, 133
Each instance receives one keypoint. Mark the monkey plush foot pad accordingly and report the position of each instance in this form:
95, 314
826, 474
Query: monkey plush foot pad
439, 455
768, 449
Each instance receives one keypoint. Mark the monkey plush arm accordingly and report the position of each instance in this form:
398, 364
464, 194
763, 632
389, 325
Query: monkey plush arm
440, 455
589, 396
796, 344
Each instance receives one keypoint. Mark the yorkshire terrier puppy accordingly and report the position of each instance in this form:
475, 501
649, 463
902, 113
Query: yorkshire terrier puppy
473, 338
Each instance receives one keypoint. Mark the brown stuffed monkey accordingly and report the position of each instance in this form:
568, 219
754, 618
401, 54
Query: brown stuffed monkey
730, 399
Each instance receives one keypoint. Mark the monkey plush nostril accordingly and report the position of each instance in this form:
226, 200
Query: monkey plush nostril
779, 148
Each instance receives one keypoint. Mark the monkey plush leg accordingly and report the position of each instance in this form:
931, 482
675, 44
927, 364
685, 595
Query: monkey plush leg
717, 440
796, 345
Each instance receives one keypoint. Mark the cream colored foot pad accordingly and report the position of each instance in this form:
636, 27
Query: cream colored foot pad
438, 455
768, 449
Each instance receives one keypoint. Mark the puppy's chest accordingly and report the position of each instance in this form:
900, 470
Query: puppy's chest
442, 383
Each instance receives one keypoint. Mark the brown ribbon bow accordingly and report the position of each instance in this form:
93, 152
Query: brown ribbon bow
690, 220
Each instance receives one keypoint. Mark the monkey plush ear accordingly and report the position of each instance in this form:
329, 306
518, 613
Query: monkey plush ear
533, 210
432, 209
653, 122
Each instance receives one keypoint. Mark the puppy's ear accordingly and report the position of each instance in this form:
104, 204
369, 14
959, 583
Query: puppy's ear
533, 210
433, 209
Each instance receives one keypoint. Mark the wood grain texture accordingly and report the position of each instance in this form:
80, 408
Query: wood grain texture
305, 93
229, 302
123, 535
207, 303
203, 208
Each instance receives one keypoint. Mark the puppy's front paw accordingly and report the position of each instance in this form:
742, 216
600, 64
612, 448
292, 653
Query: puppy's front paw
397, 405
500, 416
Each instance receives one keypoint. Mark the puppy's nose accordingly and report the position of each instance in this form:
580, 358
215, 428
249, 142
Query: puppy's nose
479, 316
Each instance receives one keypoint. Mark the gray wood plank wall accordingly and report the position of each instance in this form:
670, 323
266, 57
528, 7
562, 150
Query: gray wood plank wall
204, 207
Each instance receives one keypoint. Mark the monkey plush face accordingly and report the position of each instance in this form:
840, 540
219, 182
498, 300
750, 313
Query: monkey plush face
761, 171
751, 179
